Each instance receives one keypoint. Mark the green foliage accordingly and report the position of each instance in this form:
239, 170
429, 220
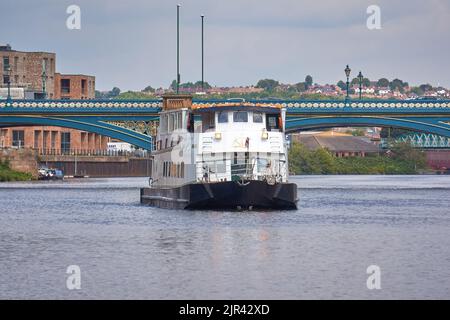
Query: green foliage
6, 174
308, 81
398, 84
108, 94
301, 86
426, 87
417, 90
304, 161
135, 95
190, 85
383, 83
341, 84
148, 89
405, 160
267, 84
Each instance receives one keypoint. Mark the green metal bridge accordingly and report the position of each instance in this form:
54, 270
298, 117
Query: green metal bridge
135, 121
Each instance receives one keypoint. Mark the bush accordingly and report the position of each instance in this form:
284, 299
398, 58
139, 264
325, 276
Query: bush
6, 174
404, 160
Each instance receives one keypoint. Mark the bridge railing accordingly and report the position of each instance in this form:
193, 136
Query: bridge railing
157, 104
94, 153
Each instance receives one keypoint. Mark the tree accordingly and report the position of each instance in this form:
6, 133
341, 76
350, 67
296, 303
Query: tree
173, 85
383, 83
397, 84
414, 157
267, 84
426, 87
366, 82
308, 81
114, 92
341, 84
417, 90
301, 87
148, 89
206, 85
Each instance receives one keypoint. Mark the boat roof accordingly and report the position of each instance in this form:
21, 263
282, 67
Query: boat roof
237, 106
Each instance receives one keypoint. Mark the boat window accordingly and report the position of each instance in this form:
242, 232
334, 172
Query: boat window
222, 117
272, 122
257, 117
240, 116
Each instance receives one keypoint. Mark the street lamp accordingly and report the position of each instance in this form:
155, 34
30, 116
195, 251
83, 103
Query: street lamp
347, 73
44, 80
360, 77
8, 72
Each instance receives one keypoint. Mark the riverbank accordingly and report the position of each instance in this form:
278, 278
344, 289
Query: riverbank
7, 174
401, 159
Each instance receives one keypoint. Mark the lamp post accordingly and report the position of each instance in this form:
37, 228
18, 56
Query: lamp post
44, 84
203, 79
360, 77
8, 72
347, 73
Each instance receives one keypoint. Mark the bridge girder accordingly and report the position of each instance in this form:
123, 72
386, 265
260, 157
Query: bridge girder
104, 116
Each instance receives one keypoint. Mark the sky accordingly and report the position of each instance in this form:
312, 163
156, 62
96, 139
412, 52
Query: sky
132, 44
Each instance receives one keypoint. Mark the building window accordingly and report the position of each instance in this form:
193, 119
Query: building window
53, 139
65, 86
83, 86
65, 141
3, 137
37, 136
18, 137
5, 63
240, 116
5, 79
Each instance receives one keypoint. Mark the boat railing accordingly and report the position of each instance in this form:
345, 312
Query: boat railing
216, 170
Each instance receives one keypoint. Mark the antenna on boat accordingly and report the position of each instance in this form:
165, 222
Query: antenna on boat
178, 47
203, 79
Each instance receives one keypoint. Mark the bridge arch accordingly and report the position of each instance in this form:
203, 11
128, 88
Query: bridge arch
438, 126
88, 124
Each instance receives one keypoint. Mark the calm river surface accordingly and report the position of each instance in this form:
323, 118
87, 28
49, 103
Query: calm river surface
343, 225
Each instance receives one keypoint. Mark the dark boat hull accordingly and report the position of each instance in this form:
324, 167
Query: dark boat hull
224, 195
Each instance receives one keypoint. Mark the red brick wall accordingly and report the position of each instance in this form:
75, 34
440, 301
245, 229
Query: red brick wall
44, 138
77, 92
438, 159
27, 70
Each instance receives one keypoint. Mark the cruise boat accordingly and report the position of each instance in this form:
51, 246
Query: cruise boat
229, 155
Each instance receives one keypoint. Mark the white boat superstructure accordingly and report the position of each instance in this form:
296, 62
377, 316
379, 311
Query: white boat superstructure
227, 144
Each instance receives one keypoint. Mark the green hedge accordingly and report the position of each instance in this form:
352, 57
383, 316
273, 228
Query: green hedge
6, 174
402, 159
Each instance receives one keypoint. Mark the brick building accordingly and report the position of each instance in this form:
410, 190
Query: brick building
29, 71
52, 140
74, 86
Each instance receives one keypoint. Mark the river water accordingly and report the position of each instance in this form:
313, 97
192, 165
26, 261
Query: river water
321, 251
